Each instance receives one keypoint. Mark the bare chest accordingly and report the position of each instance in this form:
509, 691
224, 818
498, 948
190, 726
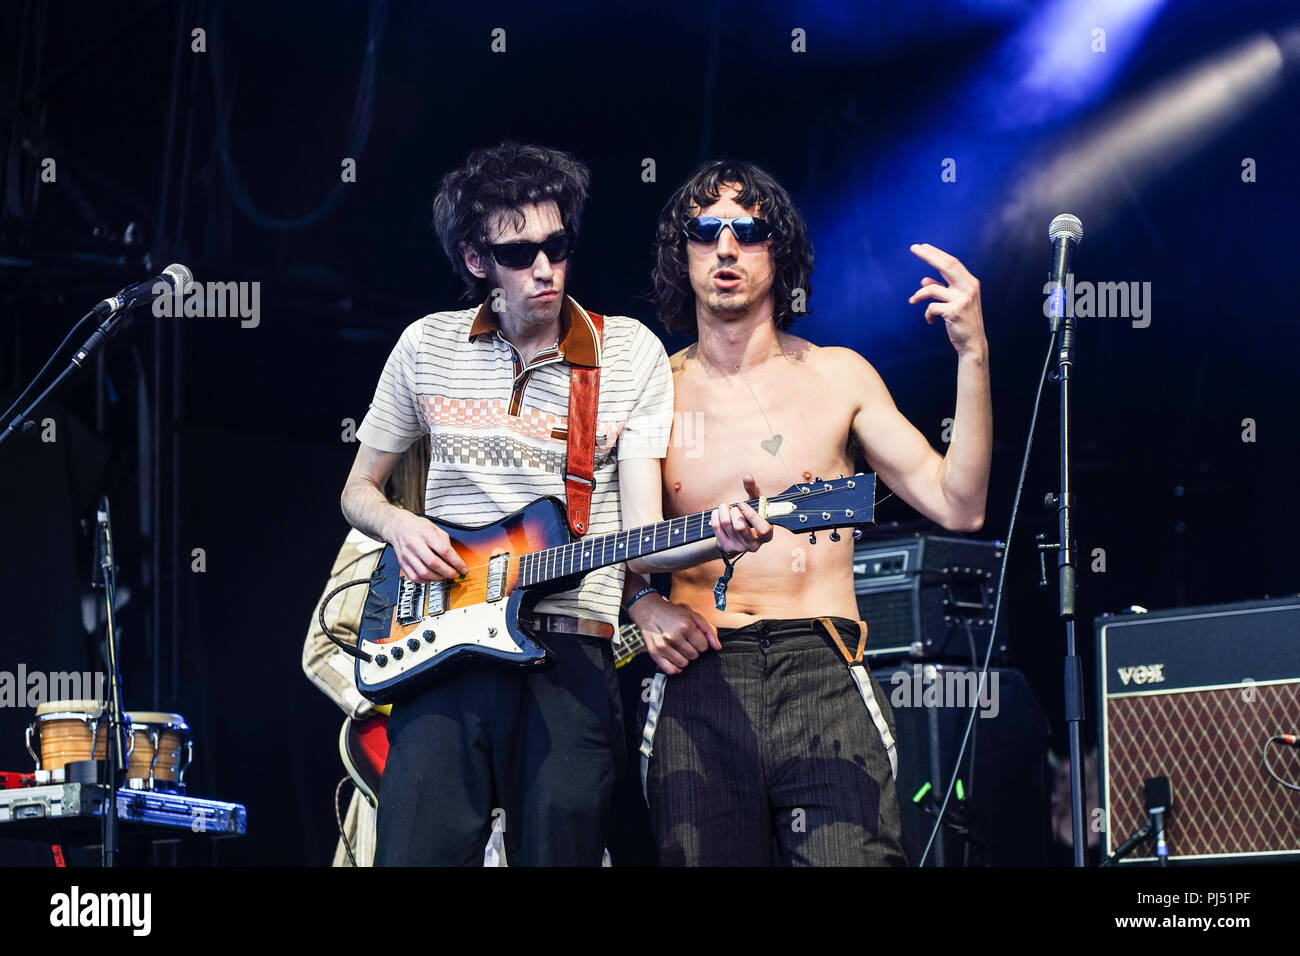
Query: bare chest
782, 427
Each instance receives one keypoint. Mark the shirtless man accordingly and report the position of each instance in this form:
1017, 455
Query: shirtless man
760, 743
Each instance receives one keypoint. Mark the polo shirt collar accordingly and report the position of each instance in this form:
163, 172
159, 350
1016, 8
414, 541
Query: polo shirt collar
578, 344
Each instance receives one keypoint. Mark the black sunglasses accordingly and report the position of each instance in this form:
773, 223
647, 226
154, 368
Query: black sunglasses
744, 228
521, 255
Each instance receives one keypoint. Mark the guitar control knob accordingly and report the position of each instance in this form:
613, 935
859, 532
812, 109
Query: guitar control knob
430, 637
397, 653
381, 660
413, 644
492, 632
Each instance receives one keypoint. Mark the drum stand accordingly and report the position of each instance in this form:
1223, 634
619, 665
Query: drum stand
115, 764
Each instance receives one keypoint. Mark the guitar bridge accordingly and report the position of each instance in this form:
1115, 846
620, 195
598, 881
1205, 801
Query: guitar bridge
410, 602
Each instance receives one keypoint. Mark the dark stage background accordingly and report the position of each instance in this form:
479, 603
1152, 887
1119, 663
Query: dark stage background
229, 161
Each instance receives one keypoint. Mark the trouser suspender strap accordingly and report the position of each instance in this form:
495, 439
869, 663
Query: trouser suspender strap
862, 677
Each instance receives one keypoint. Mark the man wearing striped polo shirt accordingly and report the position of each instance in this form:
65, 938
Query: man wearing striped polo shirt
490, 386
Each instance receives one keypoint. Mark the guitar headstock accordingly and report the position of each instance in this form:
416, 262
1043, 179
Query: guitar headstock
835, 503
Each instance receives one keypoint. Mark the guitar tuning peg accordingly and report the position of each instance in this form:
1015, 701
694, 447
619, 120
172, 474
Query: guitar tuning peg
857, 533
817, 479
838, 477
835, 535
812, 538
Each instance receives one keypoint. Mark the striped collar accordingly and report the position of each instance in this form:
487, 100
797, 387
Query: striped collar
578, 342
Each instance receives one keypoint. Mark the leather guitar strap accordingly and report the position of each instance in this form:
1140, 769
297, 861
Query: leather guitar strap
580, 470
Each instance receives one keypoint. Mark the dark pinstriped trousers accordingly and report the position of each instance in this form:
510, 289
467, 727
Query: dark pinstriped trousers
764, 752
543, 748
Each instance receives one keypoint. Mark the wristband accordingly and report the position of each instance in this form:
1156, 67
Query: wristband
639, 595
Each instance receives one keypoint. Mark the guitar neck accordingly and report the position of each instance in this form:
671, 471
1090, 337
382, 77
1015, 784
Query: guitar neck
602, 550
628, 643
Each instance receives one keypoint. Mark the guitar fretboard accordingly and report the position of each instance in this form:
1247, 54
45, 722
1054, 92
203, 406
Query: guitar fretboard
598, 551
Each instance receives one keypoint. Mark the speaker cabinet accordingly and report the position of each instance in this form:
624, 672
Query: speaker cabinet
1004, 773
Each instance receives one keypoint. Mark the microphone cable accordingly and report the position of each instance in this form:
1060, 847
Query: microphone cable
997, 602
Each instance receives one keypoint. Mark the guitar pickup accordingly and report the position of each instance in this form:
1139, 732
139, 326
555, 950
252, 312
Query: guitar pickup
496, 582
436, 601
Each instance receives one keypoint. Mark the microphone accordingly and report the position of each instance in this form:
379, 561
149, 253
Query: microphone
1159, 798
1065, 232
175, 275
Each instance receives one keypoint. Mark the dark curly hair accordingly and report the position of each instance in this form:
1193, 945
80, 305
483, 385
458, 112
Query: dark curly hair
503, 179
792, 253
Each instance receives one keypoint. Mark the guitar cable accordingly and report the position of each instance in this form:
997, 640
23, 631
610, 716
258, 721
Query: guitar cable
344, 646
997, 603
1289, 740
338, 818
360, 655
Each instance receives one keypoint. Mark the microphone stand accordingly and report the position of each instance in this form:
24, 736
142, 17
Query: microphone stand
115, 763
1125, 848
107, 329
113, 314
1062, 324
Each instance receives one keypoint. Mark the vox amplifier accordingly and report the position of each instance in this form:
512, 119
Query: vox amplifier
1195, 694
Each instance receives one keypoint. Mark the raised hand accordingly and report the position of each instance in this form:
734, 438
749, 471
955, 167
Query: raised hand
957, 303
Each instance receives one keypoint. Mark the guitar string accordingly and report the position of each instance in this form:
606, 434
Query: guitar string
478, 571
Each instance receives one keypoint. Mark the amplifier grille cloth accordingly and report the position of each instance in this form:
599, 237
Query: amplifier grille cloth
889, 618
1208, 743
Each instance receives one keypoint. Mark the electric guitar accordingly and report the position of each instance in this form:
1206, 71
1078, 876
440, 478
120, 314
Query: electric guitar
413, 631
363, 744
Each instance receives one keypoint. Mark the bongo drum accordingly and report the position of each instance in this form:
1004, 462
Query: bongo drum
164, 747
70, 730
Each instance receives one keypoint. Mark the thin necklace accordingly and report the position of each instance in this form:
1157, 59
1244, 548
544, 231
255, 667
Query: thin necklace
771, 444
